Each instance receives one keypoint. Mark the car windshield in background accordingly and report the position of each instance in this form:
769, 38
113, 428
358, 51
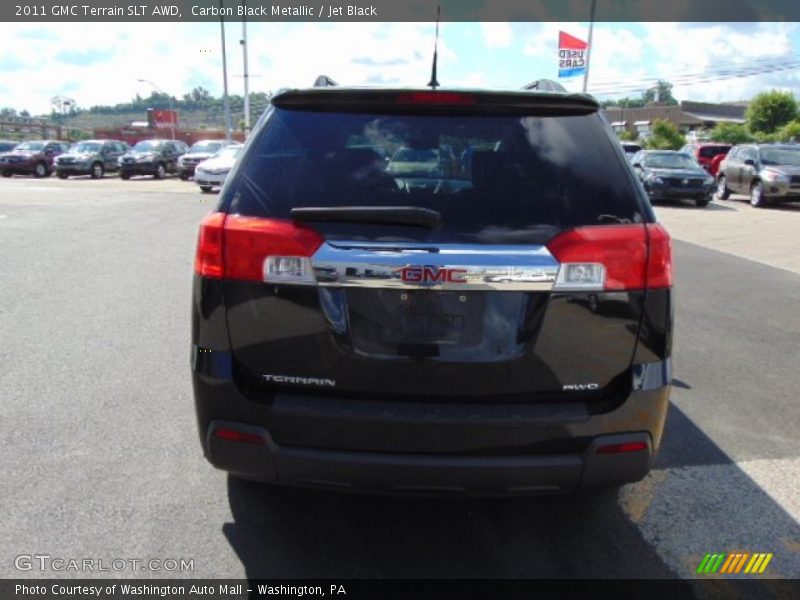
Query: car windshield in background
670, 161
492, 178
781, 156
30, 146
147, 146
85, 147
207, 147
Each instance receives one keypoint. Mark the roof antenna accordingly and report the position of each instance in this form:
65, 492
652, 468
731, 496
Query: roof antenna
434, 83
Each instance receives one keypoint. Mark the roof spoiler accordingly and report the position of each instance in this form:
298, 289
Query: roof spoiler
545, 85
324, 81
403, 100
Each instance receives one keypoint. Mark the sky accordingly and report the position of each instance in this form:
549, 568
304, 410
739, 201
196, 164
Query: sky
101, 63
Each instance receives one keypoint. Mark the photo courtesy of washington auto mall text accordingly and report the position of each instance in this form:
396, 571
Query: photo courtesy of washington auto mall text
183, 591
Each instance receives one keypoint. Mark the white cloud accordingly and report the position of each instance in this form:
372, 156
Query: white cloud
37, 63
497, 35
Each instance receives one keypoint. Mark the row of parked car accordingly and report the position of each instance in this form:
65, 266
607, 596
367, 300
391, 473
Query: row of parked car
763, 172
208, 161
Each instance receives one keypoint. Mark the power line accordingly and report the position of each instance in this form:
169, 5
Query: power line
644, 84
717, 68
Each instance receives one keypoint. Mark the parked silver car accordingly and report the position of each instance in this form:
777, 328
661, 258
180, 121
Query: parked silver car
212, 172
765, 172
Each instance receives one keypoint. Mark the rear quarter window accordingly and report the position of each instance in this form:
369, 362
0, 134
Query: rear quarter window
503, 179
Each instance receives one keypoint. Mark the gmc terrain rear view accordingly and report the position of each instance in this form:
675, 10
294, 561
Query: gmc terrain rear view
432, 291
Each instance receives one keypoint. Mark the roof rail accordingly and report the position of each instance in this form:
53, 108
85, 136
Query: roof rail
545, 85
324, 81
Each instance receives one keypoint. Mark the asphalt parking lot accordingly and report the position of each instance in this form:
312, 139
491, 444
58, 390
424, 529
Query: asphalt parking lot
100, 456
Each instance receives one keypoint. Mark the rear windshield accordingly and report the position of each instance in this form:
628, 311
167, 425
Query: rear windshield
503, 179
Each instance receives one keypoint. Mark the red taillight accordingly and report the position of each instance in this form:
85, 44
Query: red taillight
208, 260
249, 241
622, 250
440, 98
233, 435
659, 261
236, 247
622, 448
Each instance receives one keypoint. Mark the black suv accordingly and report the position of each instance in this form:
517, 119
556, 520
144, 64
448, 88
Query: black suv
502, 327
91, 157
152, 157
670, 175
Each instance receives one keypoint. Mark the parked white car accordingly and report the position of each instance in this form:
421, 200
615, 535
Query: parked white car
212, 172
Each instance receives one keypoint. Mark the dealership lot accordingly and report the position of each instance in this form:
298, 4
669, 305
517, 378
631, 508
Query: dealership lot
100, 456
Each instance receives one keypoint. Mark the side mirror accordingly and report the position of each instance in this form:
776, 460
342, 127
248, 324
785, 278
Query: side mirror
637, 165
750, 162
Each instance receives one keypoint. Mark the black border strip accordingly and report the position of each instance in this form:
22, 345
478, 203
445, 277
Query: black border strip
327, 11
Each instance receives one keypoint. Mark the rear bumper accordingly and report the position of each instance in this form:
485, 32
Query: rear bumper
385, 447
426, 474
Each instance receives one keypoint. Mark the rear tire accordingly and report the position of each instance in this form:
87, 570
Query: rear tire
205, 189
161, 171
723, 193
702, 202
97, 171
61, 175
757, 199
7, 173
40, 170
124, 175
184, 176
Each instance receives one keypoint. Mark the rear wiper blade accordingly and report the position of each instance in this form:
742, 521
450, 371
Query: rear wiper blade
390, 215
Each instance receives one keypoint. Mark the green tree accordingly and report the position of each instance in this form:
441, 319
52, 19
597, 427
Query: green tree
790, 132
766, 138
201, 96
624, 103
664, 89
770, 111
731, 133
665, 136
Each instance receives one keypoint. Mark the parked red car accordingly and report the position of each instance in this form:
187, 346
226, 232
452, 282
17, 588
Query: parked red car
31, 158
705, 152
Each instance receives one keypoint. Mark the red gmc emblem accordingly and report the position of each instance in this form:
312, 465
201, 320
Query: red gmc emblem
430, 275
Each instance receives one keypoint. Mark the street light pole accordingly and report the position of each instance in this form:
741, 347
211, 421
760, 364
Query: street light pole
246, 83
171, 105
225, 103
591, 49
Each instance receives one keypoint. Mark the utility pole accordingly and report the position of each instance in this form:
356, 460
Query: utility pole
225, 102
591, 48
246, 82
